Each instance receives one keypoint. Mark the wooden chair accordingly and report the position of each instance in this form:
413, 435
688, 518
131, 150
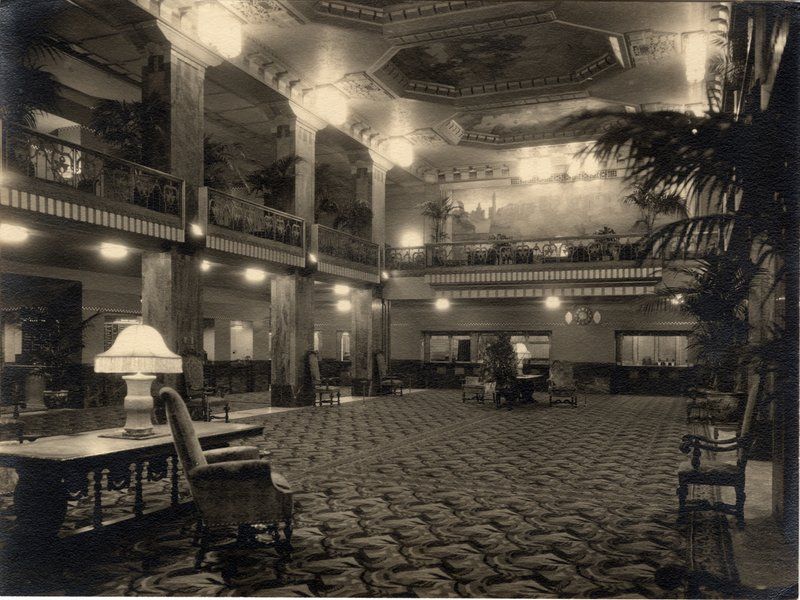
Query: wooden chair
561, 384
322, 387
473, 389
202, 398
719, 473
229, 486
387, 383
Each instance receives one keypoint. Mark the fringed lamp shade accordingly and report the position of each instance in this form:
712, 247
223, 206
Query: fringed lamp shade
138, 349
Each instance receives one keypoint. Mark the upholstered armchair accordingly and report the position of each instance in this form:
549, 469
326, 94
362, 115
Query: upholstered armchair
387, 383
561, 384
201, 398
718, 472
229, 486
324, 391
473, 388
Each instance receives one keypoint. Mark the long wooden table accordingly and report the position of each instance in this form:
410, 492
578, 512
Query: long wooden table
54, 469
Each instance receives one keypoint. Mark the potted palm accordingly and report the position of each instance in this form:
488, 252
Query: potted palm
438, 211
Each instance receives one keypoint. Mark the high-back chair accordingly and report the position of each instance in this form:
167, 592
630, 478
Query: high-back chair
202, 398
387, 383
323, 390
229, 486
718, 472
473, 389
561, 384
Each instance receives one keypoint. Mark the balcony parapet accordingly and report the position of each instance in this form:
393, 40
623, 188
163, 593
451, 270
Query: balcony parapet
239, 226
346, 255
45, 174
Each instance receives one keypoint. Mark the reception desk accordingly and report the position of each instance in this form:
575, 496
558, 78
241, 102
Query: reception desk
655, 380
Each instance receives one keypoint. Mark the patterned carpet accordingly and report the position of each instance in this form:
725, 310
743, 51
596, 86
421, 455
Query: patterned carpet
426, 496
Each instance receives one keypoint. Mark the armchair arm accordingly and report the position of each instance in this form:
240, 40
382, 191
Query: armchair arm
232, 453
691, 438
234, 470
696, 443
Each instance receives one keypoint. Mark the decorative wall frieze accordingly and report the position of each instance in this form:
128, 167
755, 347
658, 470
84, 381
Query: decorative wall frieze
426, 138
371, 15
544, 292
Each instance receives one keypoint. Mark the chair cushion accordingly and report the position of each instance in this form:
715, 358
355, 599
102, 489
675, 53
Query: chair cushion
326, 388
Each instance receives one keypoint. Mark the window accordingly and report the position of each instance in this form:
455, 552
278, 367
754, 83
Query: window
344, 345
665, 349
317, 341
440, 348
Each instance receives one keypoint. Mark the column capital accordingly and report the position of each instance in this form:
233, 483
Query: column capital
367, 157
160, 38
380, 161
306, 117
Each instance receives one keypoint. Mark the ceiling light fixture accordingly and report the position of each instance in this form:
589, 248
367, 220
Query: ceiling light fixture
341, 289
312, 258
205, 266
400, 152
385, 274
330, 104
343, 305
13, 234
442, 304
255, 275
196, 230
113, 251
218, 28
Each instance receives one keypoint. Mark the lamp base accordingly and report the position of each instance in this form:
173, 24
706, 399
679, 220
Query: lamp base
138, 406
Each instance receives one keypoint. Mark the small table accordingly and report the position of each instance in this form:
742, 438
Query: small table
526, 385
55, 469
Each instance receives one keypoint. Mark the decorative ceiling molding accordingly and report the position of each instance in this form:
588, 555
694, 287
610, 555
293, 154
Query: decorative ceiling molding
649, 47
425, 37
254, 12
426, 138
362, 86
473, 138
450, 131
554, 96
375, 15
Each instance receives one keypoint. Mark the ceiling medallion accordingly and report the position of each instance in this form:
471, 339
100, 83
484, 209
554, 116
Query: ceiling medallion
649, 47
361, 85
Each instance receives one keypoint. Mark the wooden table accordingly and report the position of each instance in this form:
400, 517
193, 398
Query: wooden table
54, 469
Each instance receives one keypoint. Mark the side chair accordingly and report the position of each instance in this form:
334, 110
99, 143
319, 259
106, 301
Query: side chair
201, 398
229, 486
388, 383
323, 390
561, 384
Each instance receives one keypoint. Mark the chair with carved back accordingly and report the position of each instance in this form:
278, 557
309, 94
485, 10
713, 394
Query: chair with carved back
324, 391
719, 473
202, 398
387, 383
229, 486
473, 389
561, 384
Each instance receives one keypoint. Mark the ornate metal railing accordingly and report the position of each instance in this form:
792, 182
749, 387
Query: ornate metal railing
338, 244
600, 248
49, 158
243, 216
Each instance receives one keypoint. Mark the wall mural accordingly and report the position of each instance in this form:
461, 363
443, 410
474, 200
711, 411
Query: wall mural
524, 53
542, 210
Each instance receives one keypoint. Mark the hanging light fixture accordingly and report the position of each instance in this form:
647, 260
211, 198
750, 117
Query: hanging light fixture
218, 28
330, 104
400, 152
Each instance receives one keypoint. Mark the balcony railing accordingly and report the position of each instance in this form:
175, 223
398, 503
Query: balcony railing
338, 244
601, 248
51, 159
243, 216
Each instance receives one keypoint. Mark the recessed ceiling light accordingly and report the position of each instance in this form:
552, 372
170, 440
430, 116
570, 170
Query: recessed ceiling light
442, 304
385, 274
205, 265
312, 258
343, 305
340, 289
255, 275
552, 302
13, 234
113, 251
197, 231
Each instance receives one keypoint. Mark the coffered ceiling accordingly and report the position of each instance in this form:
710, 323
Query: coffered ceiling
465, 81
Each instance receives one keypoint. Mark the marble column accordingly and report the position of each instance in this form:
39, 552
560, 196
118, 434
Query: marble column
292, 324
362, 349
292, 295
369, 170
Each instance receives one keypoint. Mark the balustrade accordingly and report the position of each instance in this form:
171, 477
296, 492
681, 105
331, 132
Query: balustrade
339, 244
49, 158
243, 216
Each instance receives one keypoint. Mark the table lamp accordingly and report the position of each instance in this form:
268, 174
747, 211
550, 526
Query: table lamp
138, 349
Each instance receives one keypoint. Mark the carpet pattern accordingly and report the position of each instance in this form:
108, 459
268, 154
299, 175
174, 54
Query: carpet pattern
426, 496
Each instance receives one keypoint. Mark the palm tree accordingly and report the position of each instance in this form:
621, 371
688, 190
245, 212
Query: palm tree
438, 211
275, 182
221, 165
132, 129
653, 203
26, 89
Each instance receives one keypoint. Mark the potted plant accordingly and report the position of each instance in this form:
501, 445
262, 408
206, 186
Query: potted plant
500, 366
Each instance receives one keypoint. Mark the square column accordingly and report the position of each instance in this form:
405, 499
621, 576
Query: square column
292, 324
222, 339
361, 349
370, 171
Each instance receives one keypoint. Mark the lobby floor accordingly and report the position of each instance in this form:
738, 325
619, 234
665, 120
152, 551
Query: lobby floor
427, 496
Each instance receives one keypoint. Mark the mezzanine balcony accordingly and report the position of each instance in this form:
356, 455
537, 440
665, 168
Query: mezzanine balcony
344, 255
45, 175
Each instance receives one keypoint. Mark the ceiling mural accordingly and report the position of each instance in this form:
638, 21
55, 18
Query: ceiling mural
548, 49
525, 119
